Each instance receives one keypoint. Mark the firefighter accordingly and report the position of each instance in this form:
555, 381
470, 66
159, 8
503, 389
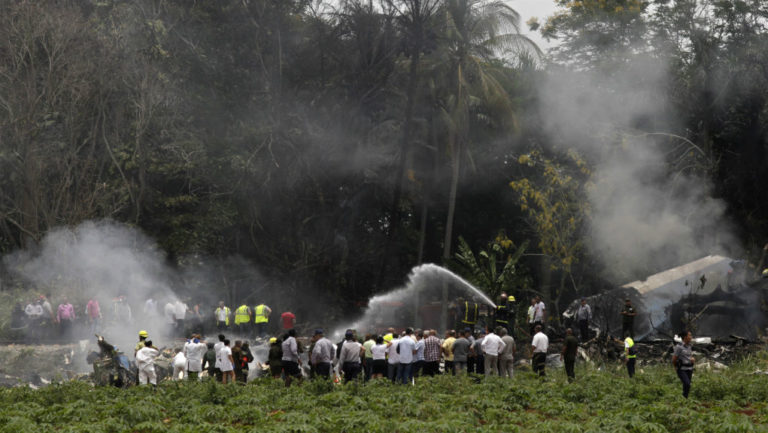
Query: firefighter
142, 341
505, 313
261, 319
468, 314
242, 319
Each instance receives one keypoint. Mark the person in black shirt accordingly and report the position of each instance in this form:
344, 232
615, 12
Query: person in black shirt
568, 355
628, 314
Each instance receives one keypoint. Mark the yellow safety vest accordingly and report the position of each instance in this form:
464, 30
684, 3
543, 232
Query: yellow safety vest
226, 312
469, 320
241, 315
260, 314
630, 343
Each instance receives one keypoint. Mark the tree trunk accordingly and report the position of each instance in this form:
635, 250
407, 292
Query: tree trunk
456, 160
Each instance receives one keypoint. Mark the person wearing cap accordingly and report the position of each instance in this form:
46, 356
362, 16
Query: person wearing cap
583, 317
143, 335
504, 314
275, 357
322, 354
628, 314
351, 351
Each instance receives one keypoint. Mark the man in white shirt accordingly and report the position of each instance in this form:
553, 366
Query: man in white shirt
531, 315
349, 358
393, 360
195, 350
169, 313
406, 350
322, 355
217, 348
540, 313
492, 346
539, 346
180, 313
145, 361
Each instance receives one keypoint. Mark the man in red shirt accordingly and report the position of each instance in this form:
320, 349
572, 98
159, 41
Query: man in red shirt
289, 320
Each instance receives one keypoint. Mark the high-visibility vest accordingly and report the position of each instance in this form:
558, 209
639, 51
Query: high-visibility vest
470, 314
241, 315
226, 312
631, 353
260, 314
501, 314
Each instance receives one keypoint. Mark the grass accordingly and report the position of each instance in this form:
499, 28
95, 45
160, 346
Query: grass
599, 401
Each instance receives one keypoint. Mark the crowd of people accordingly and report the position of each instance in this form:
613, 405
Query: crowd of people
41, 322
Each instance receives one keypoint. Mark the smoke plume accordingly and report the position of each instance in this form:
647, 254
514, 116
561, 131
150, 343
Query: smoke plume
652, 207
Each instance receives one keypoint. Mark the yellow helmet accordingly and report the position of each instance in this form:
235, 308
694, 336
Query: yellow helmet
511, 298
388, 338
765, 273
272, 340
143, 333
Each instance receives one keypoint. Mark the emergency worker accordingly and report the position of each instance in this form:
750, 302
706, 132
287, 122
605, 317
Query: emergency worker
275, 359
505, 313
242, 319
222, 316
142, 341
145, 361
261, 319
630, 355
468, 314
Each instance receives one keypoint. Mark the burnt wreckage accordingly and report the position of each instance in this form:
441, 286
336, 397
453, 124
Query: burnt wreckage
714, 296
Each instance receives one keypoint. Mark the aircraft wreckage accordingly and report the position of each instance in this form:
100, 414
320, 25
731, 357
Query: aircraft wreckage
714, 296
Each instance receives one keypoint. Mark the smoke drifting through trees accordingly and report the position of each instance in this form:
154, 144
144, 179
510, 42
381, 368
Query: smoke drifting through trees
652, 206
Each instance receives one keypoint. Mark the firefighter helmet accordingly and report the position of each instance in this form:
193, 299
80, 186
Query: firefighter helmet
143, 333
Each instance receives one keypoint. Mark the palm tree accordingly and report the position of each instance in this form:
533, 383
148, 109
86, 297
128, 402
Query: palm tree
476, 33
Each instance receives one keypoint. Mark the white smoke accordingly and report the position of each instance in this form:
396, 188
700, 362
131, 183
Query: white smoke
652, 206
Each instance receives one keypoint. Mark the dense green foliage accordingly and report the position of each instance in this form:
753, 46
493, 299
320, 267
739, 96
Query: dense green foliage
730, 401
338, 144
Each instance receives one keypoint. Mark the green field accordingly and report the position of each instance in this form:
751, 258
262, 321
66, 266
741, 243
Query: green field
599, 401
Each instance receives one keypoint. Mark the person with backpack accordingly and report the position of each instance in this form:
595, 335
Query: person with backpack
246, 357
